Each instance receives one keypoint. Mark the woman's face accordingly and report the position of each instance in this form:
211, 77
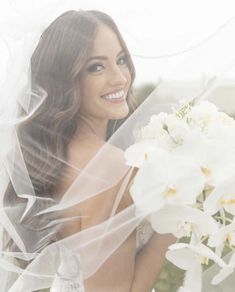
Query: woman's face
105, 78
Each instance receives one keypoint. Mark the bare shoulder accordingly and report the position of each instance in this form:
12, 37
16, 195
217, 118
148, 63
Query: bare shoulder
79, 155
109, 164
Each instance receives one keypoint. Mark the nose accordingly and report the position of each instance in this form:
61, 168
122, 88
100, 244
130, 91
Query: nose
117, 77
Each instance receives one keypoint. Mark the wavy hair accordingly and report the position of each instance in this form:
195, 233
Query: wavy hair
56, 67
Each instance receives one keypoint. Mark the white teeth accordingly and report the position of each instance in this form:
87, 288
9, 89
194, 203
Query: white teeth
116, 95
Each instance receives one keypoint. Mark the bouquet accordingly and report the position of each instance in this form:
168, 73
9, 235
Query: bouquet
185, 185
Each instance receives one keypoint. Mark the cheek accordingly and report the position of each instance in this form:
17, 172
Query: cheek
86, 89
127, 75
91, 87
91, 90
87, 97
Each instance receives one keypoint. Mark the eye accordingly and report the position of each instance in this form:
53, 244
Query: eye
123, 60
97, 67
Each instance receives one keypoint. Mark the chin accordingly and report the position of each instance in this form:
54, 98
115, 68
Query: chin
121, 114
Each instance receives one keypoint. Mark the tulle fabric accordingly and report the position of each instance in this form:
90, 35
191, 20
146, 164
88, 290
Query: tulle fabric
39, 258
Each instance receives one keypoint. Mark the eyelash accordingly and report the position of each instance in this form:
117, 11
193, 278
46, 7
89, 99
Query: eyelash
125, 58
93, 67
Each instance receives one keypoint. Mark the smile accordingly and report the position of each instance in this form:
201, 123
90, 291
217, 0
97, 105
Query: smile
115, 97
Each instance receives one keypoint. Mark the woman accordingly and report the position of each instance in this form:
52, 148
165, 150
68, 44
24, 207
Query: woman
73, 200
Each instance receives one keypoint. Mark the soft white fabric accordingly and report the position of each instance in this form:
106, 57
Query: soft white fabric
37, 260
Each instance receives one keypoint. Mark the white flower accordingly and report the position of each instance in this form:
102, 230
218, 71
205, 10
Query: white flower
164, 179
197, 252
138, 153
182, 221
213, 124
167, 129
223, 196
177, 129
222, 129
225, 233
190, 258
179, 156
225, 271
154, 129
217, 163
216, 160
202, 114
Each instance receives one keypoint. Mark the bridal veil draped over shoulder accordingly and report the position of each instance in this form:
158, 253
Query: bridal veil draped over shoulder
33, 254
39, 247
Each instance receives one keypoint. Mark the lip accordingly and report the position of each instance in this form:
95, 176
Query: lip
119, 100
114, 92
116, 100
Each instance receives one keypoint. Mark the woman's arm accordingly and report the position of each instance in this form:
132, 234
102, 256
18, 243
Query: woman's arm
150, 261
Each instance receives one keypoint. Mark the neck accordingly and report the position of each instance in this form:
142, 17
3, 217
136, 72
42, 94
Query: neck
92, 128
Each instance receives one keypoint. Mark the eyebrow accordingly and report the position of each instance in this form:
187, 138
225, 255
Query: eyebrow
103, 57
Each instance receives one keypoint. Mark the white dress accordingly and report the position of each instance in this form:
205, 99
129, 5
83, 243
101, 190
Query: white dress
69, 277
144, 232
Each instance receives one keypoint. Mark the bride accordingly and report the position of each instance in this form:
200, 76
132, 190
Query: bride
69, 221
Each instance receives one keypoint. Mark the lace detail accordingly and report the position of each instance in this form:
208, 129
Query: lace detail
144, 232
68, 277
64, 285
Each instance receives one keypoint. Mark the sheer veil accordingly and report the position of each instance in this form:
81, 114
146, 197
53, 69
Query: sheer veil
33, 255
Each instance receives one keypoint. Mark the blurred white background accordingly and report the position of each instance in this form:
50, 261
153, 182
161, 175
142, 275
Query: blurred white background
184, 40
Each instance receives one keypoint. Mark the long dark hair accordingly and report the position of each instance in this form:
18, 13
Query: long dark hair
56, 67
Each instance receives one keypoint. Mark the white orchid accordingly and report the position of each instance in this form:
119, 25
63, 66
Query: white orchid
166, 178
202, 115
216, 161
177, 129
154, 129
222, 128
190, 258
215, 125
136, 154
224, 234
225, 271
186, 175
183, 221
223, 196
167, 129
